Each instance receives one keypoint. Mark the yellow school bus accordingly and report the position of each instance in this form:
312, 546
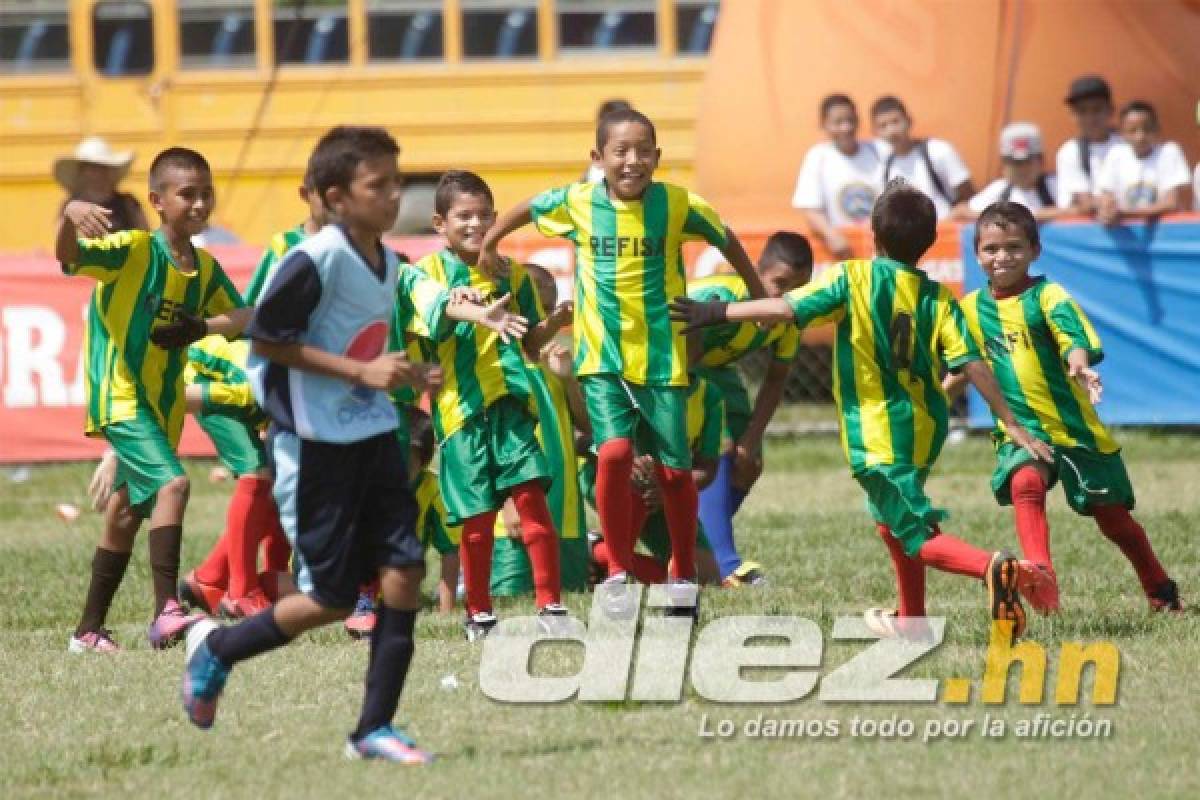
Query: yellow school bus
508, 88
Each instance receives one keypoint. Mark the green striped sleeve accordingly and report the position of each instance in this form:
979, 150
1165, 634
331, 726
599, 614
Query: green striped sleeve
529, 305
708, 444
102, 258
220, 294
1070, 326
787, 346
259, 279
702, 222
551, 214
823, 300
955, 341
420, 304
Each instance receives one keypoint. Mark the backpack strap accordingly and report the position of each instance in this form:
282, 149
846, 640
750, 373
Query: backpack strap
1043, 191
1007, 193
923, 149
1085, 156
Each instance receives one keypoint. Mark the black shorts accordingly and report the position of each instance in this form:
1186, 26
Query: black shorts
347, 509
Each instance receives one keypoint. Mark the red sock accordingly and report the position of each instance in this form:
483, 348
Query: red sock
478, 536
1123, 530
645, 569
243, 543
277, 552
1028, 490
541, 541
614, 470
214, 570
910, 575
680, 504
949, 554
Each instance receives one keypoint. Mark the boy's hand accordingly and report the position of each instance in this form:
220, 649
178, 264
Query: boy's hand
428, 377
1106, 210
100, 489
558, 359
89, 219
645, 483
466, 294
389, 371
1089, 380
698, 315
182, 330
562, 315
1036, 447
502, 321
747, 465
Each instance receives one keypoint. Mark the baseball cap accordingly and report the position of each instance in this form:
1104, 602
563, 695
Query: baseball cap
1086, 86
1020, 141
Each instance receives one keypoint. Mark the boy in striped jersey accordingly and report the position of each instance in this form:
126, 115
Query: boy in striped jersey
283, 241
896, 331
483, 413
154, 292
1042, 348
628, 233
786, 262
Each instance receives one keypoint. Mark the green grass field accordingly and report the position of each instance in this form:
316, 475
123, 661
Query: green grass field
91, 726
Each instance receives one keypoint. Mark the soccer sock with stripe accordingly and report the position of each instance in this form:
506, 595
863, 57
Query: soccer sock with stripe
679, 506
910, 575
251, 637
108, 568
1028, 490
541, 541
716, 510
478, 537
950, 554
387, 666
164, 543
1123, 530
614, 470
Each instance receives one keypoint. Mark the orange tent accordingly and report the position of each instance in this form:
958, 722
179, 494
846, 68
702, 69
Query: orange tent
963, 67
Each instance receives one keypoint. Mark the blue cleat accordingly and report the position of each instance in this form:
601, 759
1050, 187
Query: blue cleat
388, 744
203, 676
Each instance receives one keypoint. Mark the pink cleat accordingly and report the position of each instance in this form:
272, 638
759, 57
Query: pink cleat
1038, 584
170, 626
93, 642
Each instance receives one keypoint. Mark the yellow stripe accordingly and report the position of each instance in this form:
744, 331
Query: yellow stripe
908, 287
868, 382
631, 294
1029, 371
678, 207
588, 328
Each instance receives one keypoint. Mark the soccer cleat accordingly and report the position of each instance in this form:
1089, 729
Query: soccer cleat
1002, 578
203, 676
1166, 598
748, 573
684, 599
197, 594
479, 625
170, 625
100, 641
886, 623
247, 606
1039, 585
361, 621
388, 744
552, 619
596, 571
617, 597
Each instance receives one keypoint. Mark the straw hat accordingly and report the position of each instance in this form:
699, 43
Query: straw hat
92, 150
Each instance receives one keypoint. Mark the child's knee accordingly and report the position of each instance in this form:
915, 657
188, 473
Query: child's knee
178, 488
1028, 483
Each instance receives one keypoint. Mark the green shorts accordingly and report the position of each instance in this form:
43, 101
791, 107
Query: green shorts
146, 459
896, 497
238, 444
738, 408
512, 573
494, 451
1088, 478
653, 417
657, 539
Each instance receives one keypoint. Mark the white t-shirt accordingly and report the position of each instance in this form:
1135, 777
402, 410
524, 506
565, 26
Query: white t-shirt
1196, 189
946, 162
1140, 182
1072, 180
1026, 197
844, 187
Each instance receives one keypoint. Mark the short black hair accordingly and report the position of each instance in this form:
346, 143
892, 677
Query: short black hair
618, 117
339, 152
420, 435
172, 158
1007, 214
459, 181
904, 221
789, 247
1139, 107
612, 106
887, 103
831, 101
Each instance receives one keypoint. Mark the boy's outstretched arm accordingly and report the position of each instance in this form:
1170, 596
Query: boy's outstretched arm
515, 218
981, 377
495, 316
748, 449
385, 372
1079, 369
735, 254
544, 332
697, 314
79, 217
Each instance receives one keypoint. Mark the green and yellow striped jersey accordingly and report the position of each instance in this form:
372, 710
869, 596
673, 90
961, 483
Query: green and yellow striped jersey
724, 344
477, 367
705, 419
556, 435
628, 266
1026, 339
218, 366
277, 248
140, 286
431, 523
897, 329
418, 315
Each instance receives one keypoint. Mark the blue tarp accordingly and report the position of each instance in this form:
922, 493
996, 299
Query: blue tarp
1140, 285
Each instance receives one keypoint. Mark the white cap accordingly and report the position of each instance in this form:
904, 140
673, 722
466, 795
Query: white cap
1020, 141
92, 150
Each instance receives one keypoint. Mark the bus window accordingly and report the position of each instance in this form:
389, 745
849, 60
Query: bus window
122, 38
500, 29
216, 33
311, 33
404, 30
694, 24
33, 37
589, 25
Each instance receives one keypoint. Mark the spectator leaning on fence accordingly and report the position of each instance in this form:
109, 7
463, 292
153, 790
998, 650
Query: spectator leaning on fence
932, 165
840, 178
1143, 176
1080, 158
92, 174
1022, 178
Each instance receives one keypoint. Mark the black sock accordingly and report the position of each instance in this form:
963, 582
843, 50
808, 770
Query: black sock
164, 544
108, 567
391, 653
249, 638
